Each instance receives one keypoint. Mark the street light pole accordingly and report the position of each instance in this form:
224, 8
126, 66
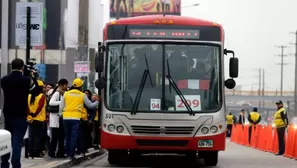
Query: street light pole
282, 68
295, 88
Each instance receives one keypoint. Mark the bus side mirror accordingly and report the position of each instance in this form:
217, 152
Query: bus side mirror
99, 61
233, 67
100, 83
230, 83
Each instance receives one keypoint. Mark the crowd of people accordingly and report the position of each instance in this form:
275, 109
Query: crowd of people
60, 121
48, 129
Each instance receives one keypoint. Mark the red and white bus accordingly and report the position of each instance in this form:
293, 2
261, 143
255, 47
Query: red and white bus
162, 85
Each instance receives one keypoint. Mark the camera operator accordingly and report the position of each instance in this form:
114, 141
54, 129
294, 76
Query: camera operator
16, 88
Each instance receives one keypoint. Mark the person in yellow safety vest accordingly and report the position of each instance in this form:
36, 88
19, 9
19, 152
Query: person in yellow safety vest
254, 118
280, 122
230, 121
96, 142
71, 109
36, 118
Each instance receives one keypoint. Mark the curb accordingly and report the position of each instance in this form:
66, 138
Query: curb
79, 159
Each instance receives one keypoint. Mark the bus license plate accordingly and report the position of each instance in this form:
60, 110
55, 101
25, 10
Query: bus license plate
205, 144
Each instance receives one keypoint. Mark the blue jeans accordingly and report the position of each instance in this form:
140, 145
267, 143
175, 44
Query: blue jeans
71, 130
17, 126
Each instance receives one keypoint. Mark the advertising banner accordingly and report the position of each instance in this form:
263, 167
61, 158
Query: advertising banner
144, 7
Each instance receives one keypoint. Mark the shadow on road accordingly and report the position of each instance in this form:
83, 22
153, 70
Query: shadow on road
179, 161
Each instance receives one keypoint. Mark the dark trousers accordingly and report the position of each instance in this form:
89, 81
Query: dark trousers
96, 133
229, 130
250, 132
57, 138
84, 140
36, 131
17, 126
281, 139
71, 131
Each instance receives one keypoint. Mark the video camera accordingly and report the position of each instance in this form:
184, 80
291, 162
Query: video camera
30, 70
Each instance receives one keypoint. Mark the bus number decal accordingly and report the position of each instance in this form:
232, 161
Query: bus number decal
109, 116
192, 100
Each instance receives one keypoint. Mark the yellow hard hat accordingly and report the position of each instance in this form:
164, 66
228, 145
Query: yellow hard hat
77, 82
40, 83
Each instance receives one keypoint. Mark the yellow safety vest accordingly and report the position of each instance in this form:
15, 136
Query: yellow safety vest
97, 116
254, 116
33, 107
84, 114
229, 119
74, 104
278, 121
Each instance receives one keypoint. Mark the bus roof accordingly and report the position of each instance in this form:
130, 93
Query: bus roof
177, 20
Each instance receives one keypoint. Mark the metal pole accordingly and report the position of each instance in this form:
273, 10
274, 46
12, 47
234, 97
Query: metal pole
28, 35
129, 9
4, 42
118, 9
282, 68
260, 84
295, 90
263, 86
282, 71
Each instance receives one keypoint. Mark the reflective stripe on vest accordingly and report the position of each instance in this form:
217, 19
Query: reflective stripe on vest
74, 104
229, 119
33, 107
278, 121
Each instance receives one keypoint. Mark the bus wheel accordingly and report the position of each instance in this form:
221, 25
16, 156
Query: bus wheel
114, 156
210, 158
191, 155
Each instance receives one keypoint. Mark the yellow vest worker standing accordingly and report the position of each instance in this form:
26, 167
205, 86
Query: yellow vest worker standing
36, 118
71, 109
96, 141
254, 118
230, 122
280, 122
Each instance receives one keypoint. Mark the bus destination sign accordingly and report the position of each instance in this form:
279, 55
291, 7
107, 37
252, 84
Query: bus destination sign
164, 33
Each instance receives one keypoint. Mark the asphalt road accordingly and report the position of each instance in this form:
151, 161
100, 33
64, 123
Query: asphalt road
235, 156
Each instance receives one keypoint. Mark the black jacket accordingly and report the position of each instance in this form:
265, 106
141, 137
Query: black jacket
16, 88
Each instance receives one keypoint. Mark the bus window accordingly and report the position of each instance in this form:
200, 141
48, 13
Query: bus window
130, 75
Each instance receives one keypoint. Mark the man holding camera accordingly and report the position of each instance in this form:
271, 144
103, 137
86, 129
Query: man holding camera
16, 88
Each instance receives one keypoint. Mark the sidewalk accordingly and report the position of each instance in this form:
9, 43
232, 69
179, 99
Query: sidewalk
48, 162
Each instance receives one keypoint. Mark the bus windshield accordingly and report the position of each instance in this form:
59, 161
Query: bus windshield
194, 68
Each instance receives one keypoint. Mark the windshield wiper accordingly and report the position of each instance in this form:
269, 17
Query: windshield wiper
179, 93
146, 73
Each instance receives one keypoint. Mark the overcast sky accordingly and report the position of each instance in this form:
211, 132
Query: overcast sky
253, 29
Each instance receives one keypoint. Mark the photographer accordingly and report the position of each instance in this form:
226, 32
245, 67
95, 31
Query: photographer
16, 88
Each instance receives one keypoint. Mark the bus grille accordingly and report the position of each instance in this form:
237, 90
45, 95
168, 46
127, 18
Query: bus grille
169, 130
167, 143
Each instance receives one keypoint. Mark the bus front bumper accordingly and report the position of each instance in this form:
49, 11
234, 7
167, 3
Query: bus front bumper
112, 141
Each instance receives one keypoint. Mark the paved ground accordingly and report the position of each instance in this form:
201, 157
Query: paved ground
235, 156
47, 162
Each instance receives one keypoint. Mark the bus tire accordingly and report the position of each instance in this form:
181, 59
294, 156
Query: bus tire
191, 155
114, 156
211, 158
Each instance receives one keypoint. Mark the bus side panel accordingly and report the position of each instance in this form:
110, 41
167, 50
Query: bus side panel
111, 141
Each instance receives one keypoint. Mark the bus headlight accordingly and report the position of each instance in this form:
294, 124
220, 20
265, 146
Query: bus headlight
120, 129
204, 130
111, 127
213, 129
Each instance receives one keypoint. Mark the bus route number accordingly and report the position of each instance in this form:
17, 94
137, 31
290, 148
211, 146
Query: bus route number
192, 100
109, 116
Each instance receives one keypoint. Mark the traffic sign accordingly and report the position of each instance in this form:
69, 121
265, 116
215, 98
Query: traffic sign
36, 23
81, 67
